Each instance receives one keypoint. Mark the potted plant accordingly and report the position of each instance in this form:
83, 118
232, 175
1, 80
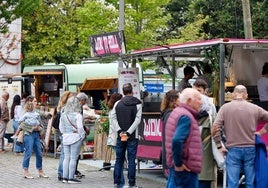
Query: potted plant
103, 125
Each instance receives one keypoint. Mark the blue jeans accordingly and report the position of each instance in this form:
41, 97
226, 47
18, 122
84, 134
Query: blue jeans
121, 147
17, 148
122, 180
240, 159
60, 166
182, 179
71, 153
15, 125
32, 142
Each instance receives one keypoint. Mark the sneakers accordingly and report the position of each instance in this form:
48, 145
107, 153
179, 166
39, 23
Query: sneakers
14, 137
79, 175
74, 181
64, 180
19, 143
60, 178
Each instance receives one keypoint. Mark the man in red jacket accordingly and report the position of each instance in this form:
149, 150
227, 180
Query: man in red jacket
183, 141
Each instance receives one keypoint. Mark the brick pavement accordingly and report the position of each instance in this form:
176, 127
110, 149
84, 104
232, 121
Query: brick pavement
11, 175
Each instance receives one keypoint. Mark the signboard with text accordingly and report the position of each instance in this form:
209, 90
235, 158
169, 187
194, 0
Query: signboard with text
107, 44
150, 137
154, 88
129, 75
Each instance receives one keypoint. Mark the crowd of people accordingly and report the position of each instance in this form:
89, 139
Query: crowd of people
187, 143
189, 124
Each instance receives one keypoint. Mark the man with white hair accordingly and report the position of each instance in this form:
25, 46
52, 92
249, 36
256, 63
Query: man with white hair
82, 97
183, 141
4, 118
239, 119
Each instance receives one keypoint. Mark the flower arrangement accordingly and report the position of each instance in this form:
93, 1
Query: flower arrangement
103, 120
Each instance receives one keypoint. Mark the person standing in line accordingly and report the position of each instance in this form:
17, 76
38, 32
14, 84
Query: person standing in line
207, 77
16, 112
183, 141
112, 135
71, 127
60, 109
188, 74
4, 119
262, 86
30, 124
82, 97
206, 114
168, 103
239, 117
126, 115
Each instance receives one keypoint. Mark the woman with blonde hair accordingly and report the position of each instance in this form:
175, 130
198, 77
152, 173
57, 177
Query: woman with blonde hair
30, 124
60, 109
73, 133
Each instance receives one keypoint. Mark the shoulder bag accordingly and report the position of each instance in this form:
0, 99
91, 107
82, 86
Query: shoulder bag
218, 156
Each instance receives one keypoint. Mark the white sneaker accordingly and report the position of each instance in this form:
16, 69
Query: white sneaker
74, 181
14, 137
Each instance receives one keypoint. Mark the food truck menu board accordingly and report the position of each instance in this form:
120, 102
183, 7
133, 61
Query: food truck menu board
129, 75
13, 88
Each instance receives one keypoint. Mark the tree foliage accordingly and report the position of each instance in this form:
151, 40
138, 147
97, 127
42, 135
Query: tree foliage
58, 30
13, 9
51, 33
224, 18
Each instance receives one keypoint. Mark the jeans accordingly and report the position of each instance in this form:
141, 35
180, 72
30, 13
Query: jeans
182, 179
122, 180
17, 148
71, 153
15, 125
60, 166
240, 159
32, 142
121, 147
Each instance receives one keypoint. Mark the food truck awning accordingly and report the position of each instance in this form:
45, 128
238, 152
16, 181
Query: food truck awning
101, 83
194, 49
234, 56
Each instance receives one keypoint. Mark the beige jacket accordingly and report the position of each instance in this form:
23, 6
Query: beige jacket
4, 111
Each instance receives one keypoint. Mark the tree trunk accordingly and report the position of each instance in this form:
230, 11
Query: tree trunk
247, 19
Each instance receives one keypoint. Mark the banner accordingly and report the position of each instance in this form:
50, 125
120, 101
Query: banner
107, 44
129, 75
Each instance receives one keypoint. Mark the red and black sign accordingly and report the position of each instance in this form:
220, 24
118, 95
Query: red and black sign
107, 44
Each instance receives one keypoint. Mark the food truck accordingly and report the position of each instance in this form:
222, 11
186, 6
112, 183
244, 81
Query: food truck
235, 61
47, 82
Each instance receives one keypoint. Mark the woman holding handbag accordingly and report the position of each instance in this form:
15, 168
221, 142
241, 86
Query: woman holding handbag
71, 127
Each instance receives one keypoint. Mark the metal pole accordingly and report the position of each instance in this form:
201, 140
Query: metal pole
222, 77
121, 15
121, 24
173, 72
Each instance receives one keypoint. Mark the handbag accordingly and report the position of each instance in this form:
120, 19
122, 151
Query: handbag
56, 120
218, 156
